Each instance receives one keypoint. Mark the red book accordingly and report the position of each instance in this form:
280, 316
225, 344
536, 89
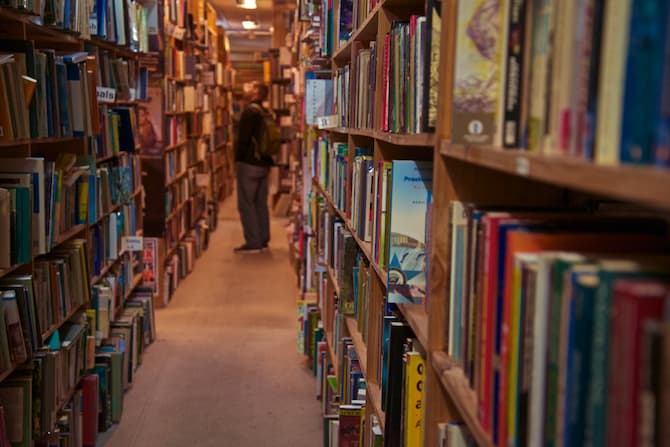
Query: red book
89, 409
351, 419
633, 303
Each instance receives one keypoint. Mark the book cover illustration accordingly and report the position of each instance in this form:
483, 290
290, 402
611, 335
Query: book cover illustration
410, 185
477, 71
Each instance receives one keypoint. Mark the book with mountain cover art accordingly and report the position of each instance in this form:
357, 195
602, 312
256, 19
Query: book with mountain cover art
411, 182
477, 70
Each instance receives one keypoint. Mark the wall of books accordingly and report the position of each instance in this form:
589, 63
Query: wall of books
481, 239
75, 315
188, 169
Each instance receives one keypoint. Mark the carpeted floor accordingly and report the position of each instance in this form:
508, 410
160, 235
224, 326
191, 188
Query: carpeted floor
224, 370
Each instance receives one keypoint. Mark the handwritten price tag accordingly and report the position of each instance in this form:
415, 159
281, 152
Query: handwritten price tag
106, 94
133, 243
326, 122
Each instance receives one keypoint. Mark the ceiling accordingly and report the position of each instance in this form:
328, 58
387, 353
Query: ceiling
246, 45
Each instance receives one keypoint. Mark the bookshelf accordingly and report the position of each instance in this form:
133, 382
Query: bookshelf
189, 167
74, 136
561, 169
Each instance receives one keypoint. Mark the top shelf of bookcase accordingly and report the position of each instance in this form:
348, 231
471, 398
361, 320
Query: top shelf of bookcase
366, 32
414, 140
639, 184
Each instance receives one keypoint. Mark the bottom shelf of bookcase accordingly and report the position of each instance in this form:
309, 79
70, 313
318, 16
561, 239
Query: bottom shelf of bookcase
461, 395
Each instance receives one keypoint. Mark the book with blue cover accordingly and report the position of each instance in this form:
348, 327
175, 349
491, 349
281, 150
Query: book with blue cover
411, 182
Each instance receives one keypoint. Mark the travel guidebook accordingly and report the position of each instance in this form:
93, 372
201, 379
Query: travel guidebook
410, 185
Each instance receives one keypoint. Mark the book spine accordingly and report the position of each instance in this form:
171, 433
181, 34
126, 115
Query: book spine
662, 140
514, 67
643, 80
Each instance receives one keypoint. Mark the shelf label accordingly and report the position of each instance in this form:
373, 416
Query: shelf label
106, 94
326, 122
179, 33
522, 166
133, 243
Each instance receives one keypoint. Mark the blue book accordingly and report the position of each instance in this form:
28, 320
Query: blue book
643, 80
410, 182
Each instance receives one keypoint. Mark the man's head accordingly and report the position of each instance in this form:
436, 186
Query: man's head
259, 92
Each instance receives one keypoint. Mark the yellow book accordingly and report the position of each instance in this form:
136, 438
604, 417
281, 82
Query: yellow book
414, 381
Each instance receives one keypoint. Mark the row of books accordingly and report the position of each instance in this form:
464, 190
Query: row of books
278, 96
404, 56
387, 204
539, 306
536, 86
181, 263
46, 199
69, 15
364, 85
126, 77
123, 22
106, 238
44, 93
118, 131
73, 387
180, 65
184, 98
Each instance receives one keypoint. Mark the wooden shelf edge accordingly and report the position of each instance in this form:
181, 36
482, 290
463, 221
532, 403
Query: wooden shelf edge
461, 395
11, 269
72, 232
8, 372
57, 326
331, 276
417, 317
646, 185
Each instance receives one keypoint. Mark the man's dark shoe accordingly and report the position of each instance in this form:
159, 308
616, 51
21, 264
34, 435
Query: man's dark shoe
246, 249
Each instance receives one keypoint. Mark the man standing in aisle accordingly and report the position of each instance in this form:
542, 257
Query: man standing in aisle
253, 170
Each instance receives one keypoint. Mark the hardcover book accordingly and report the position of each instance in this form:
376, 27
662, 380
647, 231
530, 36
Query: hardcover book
410, 183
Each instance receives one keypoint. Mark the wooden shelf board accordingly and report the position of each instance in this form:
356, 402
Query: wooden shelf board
14, 143
55, 327
343, 53
416, 316
72, 232
175, 146
124, 51
11, 269
177, 177
419, 139
104, 271
6, 373
114, 209
333, 281
640, 184
461, 395
364, 246
26, 17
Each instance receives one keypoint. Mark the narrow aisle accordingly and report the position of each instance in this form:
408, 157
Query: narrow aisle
224, 370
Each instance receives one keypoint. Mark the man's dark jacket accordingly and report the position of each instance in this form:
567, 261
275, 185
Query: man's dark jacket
249, 127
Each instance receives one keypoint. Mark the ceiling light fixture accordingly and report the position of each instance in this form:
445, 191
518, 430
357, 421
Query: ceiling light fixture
247, 4
249, 24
